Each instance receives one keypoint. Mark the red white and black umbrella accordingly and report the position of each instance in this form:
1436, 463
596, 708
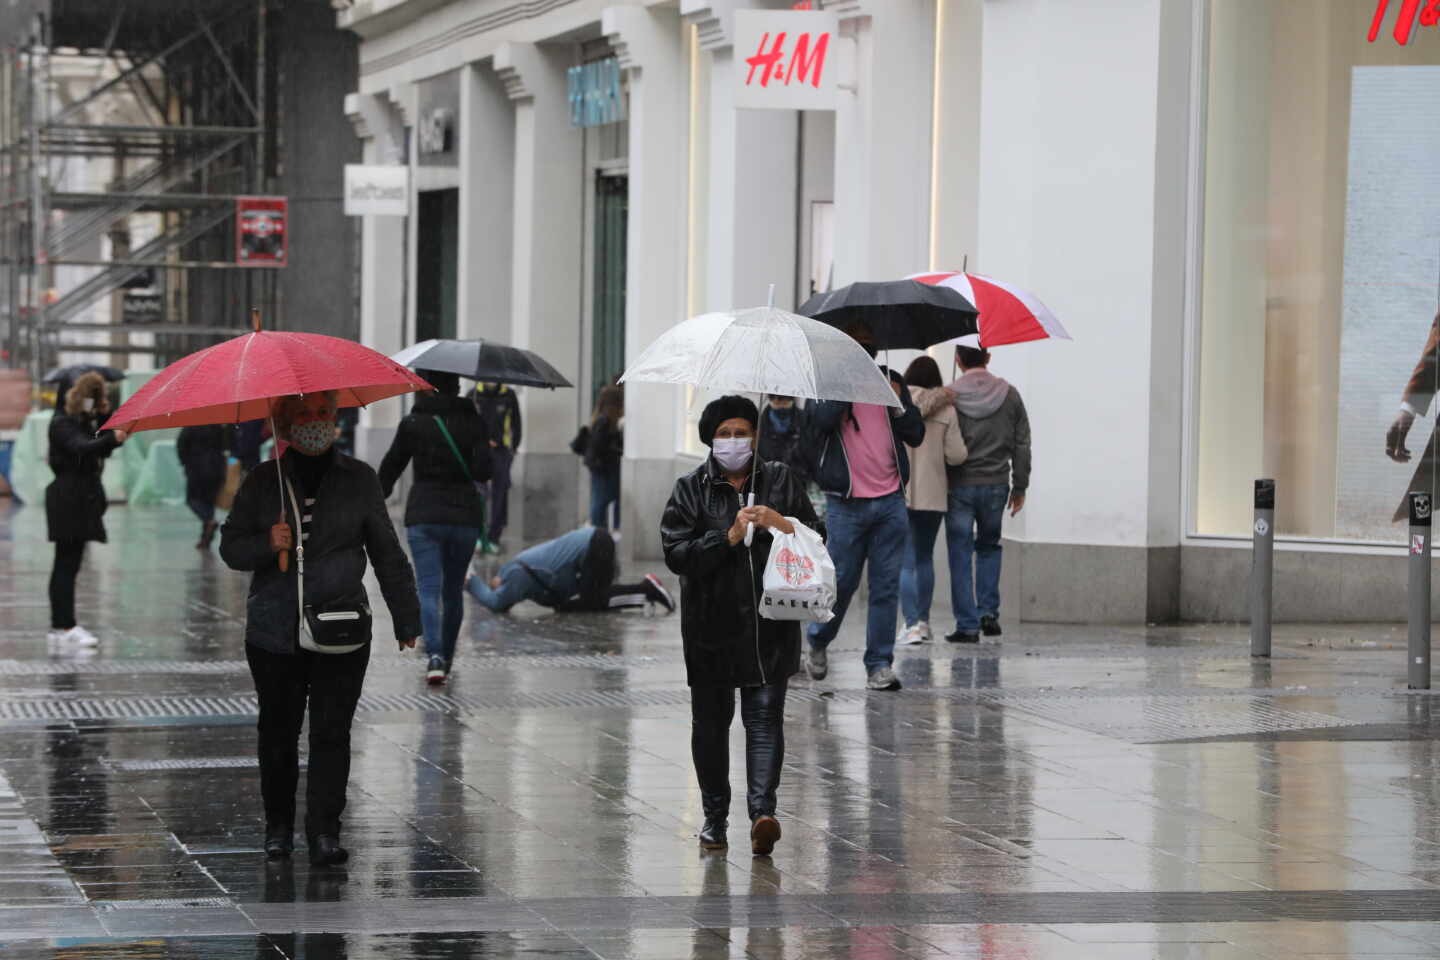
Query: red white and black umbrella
1007, 313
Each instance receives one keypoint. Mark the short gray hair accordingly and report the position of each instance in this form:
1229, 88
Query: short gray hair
284, 409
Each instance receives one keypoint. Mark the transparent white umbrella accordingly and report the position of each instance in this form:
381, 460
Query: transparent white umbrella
766, 351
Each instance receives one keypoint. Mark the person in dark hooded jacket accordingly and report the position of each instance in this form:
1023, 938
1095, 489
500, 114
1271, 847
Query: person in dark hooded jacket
727, 644
75, 500
444, 515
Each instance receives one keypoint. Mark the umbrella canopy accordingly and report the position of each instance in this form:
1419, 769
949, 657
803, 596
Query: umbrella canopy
901, 314
74, 372
1007, 313
483, 360
764, 350
238, 380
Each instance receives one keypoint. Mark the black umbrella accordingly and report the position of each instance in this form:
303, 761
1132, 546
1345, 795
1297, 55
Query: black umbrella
75, 371
483, 360
901, 314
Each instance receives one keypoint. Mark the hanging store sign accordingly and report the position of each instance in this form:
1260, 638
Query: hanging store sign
789, 60
141, 308
261, 231
596, 95
377, 190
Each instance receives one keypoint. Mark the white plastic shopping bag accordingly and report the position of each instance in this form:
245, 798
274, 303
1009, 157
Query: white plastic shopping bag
799, 580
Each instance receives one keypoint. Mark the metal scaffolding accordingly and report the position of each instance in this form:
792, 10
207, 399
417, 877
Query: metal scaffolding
127, 131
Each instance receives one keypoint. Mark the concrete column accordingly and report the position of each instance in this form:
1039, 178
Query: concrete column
648, 45
1114, 510
546, 275
882, 141
382, 267
487, 177
751, 222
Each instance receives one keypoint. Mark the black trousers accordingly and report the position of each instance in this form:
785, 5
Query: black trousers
331, 683
598, 590
68, 555
762, 711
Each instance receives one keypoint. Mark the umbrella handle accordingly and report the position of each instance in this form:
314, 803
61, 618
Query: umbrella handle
284, 561
750, 529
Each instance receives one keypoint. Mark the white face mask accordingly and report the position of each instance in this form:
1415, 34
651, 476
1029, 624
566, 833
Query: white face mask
87, 404
732, 453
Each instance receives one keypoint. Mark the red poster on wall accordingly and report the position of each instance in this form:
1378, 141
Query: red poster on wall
260, 231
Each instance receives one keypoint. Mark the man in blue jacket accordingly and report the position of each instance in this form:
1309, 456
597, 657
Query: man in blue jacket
573, 573
861, 466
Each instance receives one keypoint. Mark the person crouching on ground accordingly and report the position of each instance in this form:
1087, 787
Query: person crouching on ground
343, 519
444, 514
574, 573
75, 499
727, 645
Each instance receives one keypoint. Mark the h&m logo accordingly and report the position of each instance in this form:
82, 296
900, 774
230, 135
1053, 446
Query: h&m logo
1428, 12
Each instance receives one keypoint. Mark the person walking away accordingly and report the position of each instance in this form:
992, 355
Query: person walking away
75, 500
573, 573
602, 457
203, 453
249, 437
343, 521
861, 465
996, 473
727, 644
447, 442
926, 494
499, 407
781, 433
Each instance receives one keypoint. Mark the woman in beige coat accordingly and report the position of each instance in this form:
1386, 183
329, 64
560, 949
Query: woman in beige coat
926, 496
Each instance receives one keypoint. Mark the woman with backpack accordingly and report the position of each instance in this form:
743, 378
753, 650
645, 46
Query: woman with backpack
444, 514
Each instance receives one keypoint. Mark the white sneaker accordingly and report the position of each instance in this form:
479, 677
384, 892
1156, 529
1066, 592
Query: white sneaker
911, 635
925, 635
80, 637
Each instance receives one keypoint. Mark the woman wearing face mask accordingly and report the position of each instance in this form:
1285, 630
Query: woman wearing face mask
343, 520
75, 500
727, 644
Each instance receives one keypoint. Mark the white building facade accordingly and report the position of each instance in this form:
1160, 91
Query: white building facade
1208, 193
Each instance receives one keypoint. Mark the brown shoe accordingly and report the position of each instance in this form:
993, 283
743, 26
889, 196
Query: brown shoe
764, 832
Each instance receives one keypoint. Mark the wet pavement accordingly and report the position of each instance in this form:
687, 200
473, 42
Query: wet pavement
1070, 792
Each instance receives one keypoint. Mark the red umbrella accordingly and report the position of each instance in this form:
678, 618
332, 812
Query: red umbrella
1007, 313
240, 379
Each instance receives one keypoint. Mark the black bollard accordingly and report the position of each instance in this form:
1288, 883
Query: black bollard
1418, 652
1262, 568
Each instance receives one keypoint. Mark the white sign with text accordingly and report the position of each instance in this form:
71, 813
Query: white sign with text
787, 59
377, 190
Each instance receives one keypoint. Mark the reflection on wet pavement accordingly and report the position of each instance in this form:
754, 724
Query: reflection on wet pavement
1072, 792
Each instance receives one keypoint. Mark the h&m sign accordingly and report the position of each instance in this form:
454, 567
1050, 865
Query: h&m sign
786, 59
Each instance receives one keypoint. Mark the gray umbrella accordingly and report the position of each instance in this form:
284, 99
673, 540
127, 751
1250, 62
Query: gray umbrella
482, 360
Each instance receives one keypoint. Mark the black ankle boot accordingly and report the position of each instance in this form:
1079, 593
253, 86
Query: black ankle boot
279, 840
325, 850
712, 835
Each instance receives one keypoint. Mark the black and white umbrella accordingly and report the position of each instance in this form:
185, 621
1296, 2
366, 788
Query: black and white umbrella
483, 360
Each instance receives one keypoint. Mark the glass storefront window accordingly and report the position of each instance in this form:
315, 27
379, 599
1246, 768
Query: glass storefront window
1321, 267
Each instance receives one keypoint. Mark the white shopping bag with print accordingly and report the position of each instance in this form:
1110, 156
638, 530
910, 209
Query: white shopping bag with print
799, 580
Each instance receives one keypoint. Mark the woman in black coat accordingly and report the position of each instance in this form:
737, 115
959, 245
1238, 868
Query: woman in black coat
727, 644
603, 453
75, 500
343, 520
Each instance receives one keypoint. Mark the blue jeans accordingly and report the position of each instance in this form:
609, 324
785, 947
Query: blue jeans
917, 566
861, 529
605, 490
442, 553
972, 537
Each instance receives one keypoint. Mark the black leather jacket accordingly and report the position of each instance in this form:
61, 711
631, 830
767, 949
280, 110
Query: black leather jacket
441, 492
349, 522
726, 642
